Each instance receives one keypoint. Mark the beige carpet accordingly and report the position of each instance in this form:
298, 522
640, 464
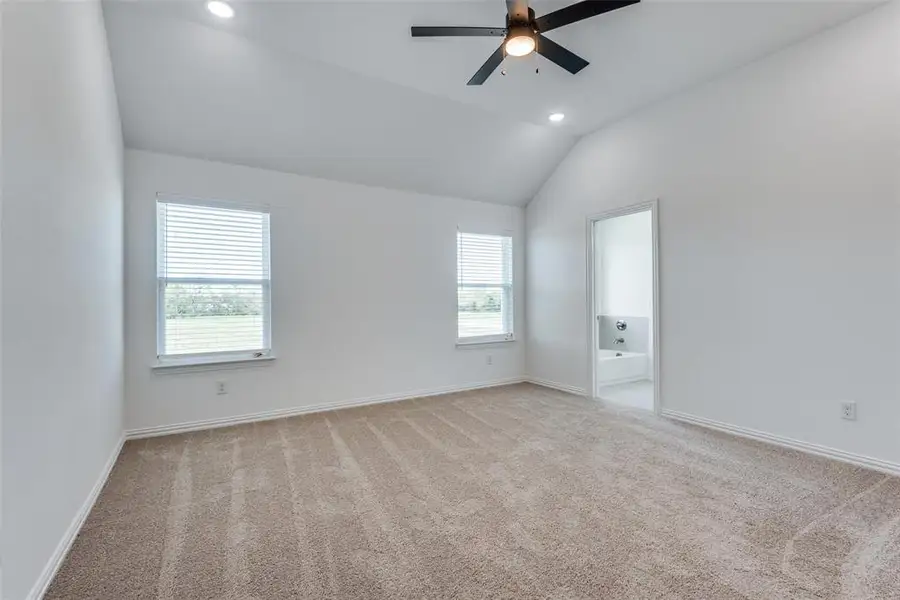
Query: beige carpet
515, 492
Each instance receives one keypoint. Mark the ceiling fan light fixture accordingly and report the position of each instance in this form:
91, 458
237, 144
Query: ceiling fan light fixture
520, 41
524, 30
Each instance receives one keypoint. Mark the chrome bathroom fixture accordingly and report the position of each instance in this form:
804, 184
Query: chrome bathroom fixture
621, 325
619, 341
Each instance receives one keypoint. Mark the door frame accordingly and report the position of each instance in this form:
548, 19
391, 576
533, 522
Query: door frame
593, 337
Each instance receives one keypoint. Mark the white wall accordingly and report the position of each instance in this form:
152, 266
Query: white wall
363, 293
780, 256
62, 276
624, 260
1, 303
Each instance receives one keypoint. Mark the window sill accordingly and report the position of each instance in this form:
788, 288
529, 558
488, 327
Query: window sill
476, 342
210, 364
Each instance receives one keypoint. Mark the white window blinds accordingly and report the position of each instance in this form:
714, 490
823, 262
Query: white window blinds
213, 281
485, 288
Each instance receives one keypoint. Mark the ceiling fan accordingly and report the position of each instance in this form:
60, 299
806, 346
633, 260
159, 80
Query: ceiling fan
524, 33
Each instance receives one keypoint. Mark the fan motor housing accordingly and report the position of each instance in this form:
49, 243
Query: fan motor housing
520, 30
529, 23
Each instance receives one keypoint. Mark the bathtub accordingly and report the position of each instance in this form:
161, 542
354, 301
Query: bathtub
614, 366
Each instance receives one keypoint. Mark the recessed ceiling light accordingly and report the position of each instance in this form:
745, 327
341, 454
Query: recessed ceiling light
220, 9
556, 117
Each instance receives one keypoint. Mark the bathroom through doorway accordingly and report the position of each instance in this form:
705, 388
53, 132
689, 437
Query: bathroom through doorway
623, 306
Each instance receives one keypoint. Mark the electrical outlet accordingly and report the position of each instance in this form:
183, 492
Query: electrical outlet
848, 411
490, 359
221, 388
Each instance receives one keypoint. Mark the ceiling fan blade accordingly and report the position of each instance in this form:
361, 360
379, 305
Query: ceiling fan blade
488, 67
518, 11
578, 12
567, 60
457, 31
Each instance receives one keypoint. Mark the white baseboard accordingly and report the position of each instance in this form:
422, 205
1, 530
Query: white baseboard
557, 386
786, 442
65, 544
622, 381
145, 432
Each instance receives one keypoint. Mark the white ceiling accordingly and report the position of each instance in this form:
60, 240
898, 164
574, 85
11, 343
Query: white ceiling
340, 90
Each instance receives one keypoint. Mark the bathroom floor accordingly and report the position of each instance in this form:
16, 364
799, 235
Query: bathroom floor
637, 394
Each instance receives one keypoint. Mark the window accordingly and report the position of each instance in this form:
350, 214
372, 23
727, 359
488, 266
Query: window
484, 288
213, 284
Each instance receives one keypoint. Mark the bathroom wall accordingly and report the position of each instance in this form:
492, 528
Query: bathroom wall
624, 256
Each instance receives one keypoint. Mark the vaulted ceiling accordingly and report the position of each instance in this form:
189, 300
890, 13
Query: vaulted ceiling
339, 89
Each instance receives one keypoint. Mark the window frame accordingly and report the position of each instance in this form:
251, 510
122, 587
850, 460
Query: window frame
508, 291
212, 358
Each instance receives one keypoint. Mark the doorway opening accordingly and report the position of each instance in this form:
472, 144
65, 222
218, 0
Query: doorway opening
623, 306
